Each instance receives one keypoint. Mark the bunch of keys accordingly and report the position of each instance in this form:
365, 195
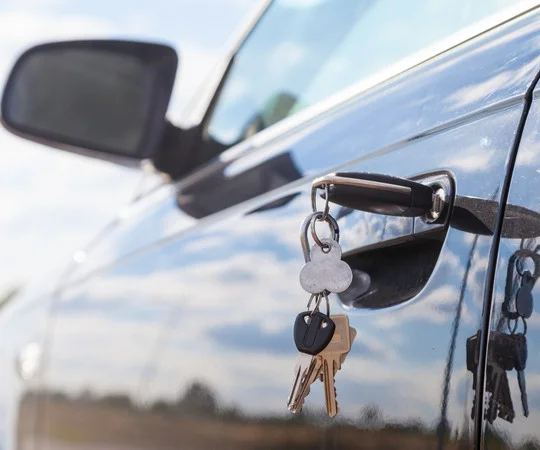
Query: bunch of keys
323, 340
508, 351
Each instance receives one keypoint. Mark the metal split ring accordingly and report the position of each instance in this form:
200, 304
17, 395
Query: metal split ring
318, 302
513, 329
522, 256
326, 209
325, 247
308, 223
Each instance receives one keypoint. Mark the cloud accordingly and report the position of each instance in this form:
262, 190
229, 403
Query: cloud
195, 64
53, 202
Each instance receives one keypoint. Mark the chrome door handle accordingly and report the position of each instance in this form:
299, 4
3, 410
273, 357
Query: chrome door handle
424, 202
383, 194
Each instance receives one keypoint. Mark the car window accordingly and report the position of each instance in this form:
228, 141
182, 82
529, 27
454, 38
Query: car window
302, 51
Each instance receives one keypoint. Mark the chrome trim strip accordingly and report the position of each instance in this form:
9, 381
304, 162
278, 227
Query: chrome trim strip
346, 181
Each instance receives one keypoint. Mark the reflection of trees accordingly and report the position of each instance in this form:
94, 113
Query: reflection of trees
197, 419
199, 399
371, 417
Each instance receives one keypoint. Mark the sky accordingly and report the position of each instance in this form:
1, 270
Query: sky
54, 202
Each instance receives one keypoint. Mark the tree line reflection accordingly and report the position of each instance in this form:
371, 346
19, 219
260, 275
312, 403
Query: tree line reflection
198, 420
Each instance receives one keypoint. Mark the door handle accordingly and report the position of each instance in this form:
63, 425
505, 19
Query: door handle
383, 194
389, 272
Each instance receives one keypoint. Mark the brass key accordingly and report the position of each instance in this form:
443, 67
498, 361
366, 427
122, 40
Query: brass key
313, 372
332, 357
352, 336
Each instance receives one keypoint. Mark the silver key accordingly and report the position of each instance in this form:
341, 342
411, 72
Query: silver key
325, 364
313, 331
306, 367
325, 271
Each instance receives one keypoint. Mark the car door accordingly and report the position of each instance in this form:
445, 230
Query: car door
186, 341
514, 308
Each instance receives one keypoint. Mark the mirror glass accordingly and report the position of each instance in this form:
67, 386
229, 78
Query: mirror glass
81, 96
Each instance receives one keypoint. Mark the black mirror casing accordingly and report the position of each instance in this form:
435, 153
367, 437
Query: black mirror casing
102, 98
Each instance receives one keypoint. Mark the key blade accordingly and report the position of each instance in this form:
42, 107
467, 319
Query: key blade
297, 400
523, 389
333, 357
329, 369
303, 362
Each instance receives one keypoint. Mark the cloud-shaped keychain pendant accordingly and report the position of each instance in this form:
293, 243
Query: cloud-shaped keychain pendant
326, 270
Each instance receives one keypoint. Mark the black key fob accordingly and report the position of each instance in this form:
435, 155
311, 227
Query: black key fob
313, 330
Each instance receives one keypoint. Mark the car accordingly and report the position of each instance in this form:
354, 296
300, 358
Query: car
412, 130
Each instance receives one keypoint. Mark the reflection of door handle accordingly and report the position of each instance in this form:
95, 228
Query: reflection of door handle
384, 194
478, 216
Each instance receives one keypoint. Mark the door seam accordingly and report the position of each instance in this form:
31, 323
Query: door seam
491, 272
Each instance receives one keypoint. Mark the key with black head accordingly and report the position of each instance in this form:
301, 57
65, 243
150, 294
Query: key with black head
520, 363
504, 400
500, 360
497, 404
472, 363
472, 353
524, 298
313, 330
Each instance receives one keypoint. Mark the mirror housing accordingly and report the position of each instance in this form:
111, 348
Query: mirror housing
101, 98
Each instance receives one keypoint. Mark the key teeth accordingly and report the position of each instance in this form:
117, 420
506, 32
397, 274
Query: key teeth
337, 405
296, 408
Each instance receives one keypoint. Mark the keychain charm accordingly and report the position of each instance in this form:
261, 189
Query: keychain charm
326, 271
323, 341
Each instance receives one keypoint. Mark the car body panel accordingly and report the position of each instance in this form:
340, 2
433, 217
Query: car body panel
439, 94
216, 307
23, 323
170, 331
176, 332
518, 235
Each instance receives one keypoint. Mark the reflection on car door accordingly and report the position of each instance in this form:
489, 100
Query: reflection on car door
187, 343
514, 314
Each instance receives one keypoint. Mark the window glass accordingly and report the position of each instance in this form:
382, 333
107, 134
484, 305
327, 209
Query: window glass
302, 51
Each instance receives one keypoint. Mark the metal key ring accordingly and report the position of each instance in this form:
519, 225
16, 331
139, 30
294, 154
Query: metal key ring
329, 220
318, 303
513, 329
326, 209
304, 241
523, 255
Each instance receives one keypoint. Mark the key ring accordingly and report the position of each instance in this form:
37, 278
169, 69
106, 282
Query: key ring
325, 247
304, 241
524, 254
326, 209
513, 329
318, 302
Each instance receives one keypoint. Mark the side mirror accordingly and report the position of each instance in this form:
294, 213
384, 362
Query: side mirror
106, 99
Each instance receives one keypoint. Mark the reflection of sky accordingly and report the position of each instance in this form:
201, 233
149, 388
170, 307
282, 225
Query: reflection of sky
524, 192
224, 296
306, 64
53, 202
222, 299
